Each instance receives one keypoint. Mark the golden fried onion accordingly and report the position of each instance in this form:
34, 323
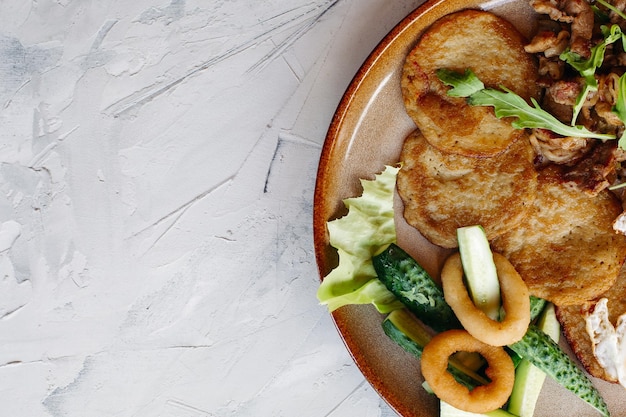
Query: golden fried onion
481, 399
515, 300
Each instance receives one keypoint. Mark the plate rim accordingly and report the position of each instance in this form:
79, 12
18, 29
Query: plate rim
325, 255
322, 249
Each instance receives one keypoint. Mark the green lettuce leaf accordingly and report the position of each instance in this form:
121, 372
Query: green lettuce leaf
367, 229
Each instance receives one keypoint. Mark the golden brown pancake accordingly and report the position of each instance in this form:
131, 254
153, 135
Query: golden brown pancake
572, 319
566, 251
494, 50
443, 191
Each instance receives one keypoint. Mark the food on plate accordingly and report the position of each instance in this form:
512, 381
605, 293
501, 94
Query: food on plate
529, 153
412, 285
366, 229
506, 103
402, 327
581, 69
442, 191
567, 251
481, 272
529, 379
536, 347
348, 285
481, 399
571, 107
515, 301
582, 81
586, 84
608, 340
494, 49
545, 354
573, 322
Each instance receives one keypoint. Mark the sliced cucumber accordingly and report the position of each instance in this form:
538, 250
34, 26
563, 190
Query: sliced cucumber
416, 289
549, 323
480, 270
528, 378
543, 352
412, 285
537, 306
446, 410
402, 327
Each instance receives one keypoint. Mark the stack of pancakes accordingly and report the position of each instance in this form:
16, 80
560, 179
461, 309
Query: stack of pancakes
463, 166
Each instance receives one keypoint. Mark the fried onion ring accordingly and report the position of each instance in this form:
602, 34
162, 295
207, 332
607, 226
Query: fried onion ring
515, 300
483, 398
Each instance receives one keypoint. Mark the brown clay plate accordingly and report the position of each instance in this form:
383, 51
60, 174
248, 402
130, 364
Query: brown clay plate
366, 134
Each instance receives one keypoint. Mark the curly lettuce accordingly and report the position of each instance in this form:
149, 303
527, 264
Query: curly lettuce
366, 230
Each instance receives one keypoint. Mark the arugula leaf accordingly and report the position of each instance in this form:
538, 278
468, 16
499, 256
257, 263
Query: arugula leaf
367, 229
620, 108
508, 104
463, 85
587, 67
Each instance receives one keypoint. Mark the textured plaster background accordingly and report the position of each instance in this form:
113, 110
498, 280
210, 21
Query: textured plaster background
157, 165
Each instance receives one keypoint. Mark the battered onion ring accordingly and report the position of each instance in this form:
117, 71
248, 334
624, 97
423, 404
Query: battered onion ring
515, 300
483, 398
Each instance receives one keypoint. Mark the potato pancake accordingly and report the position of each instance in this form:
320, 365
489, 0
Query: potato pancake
494, 50
572, 319
443, 191
567, 251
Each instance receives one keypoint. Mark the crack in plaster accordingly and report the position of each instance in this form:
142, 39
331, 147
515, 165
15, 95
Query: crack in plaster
148, 94
299, 31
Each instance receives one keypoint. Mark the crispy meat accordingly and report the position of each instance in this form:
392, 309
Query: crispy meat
564, 91
550, 69
549, 43
551, 148
605, 111
608, 88
578, 14
591, 173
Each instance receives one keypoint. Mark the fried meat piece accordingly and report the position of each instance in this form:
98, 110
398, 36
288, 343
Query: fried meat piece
494, 50
572, 319
591, 173
443, 191
550, 43
578, 13
567, 252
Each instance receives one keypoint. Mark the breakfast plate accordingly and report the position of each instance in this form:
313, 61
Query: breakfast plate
366, 133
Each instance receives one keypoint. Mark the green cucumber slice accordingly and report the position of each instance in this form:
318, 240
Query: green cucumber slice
528, 378
543, 352
537, 306
480, 270
402, 327
414, 287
